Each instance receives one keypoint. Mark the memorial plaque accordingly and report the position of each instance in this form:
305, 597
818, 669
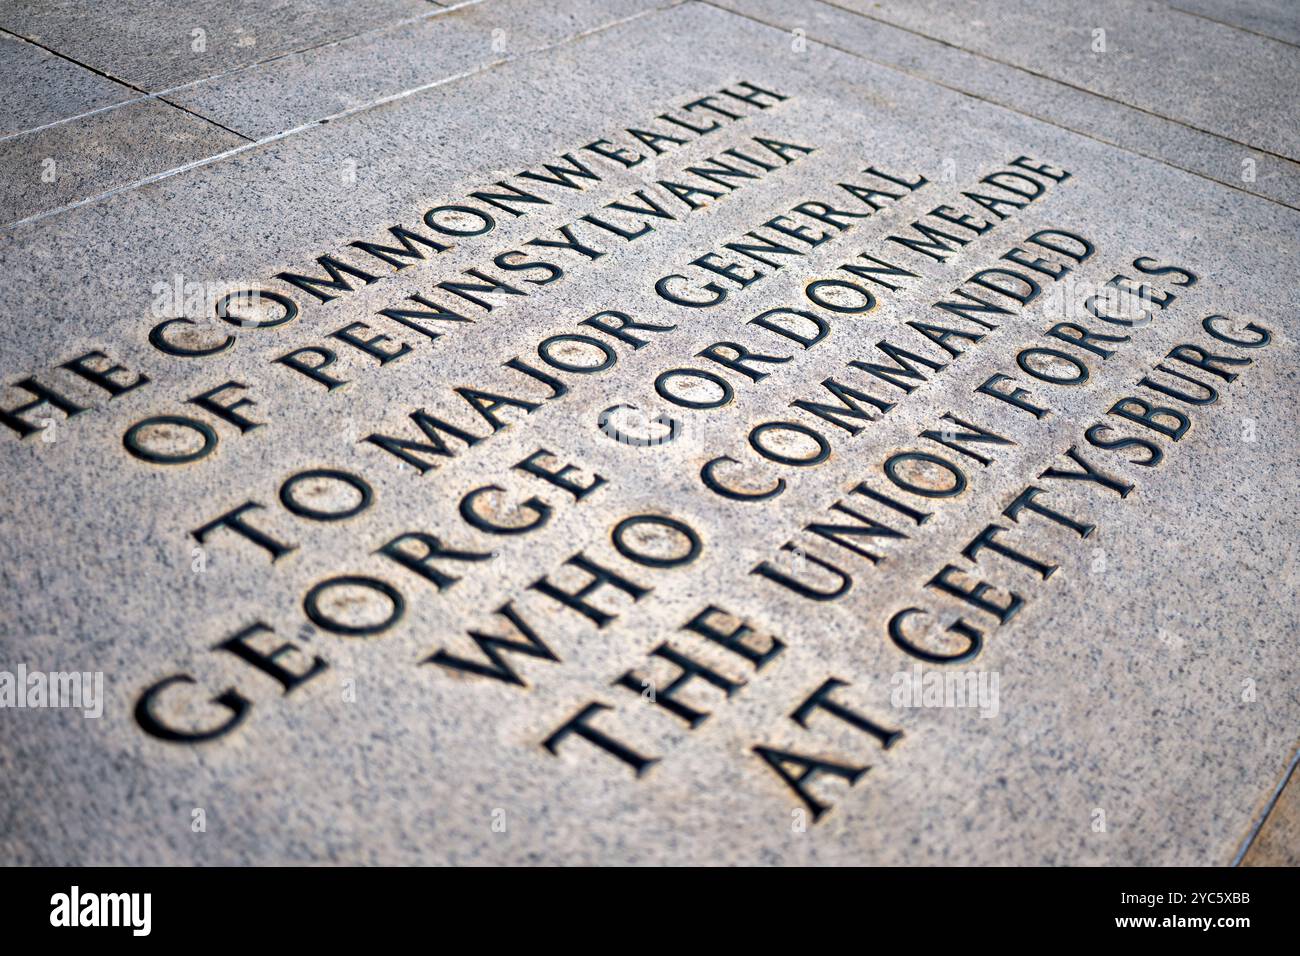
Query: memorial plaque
681, 438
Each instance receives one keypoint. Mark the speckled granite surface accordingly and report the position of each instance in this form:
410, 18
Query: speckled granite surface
154, 45
67, 162
37, 87
1139, 707
1150, 55
334, 78
1076, 102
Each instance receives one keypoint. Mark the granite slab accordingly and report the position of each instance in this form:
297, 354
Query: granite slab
154, 45
323, 81
1205, 74
38, 88
1063, 104
552, 562
70, 161
1279, 19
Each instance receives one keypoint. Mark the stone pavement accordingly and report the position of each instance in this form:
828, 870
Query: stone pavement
649, 432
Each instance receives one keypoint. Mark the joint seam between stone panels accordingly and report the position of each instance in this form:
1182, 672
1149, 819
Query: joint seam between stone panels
75, 62
1230, 26
206, 119
1268, 810
1042, 119
90, 69
160, 94
333, 41
1065, 83
284, 134
225, 154
115, 106
69, 119
140, 99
